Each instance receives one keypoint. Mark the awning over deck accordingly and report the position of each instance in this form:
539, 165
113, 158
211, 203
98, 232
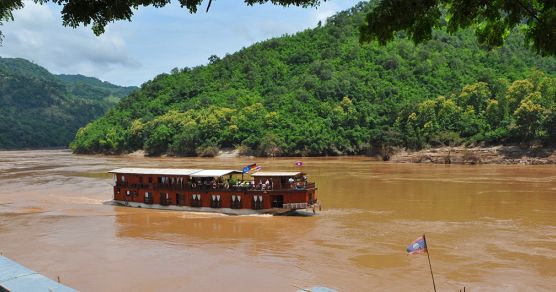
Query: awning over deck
276, 173
214, 173
15, 277
202, 172
155, 171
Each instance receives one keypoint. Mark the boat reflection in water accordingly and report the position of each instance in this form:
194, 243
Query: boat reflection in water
190, 227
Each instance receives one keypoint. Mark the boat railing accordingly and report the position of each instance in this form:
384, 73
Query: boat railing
295, 206
218, 187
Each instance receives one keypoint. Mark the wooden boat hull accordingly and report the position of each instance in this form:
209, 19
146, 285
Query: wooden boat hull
226, 211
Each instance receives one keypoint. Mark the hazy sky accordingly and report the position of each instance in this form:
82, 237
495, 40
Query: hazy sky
157, 40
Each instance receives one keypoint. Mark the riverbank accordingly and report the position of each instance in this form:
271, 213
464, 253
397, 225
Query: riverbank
450, 155
478, 155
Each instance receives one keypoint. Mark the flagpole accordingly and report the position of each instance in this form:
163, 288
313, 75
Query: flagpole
430, 266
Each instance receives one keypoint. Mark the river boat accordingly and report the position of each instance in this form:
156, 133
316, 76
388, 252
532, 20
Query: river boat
215, 190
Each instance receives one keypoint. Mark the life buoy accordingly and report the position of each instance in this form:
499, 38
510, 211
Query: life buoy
193, 185
226, 185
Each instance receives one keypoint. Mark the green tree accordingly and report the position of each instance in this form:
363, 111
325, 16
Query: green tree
517, 92
476, 95
528, 119
492, 113
492, 20
158, 140
185, 143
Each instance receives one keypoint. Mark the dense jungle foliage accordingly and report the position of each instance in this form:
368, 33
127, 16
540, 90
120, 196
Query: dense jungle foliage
40, 110
319, 92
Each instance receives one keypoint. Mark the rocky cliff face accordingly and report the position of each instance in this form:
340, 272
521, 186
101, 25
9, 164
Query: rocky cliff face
479, 155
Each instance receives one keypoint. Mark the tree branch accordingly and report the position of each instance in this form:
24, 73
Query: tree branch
208, 6
529, 10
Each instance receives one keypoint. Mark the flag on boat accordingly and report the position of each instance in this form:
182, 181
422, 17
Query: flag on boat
299, 163
248, 168
418, 246
258, 168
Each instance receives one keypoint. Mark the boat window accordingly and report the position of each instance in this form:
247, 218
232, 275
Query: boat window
148, 195
123, 178
236, 202
150, 179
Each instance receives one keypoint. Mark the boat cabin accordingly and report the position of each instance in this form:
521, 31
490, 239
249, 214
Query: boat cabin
213, 190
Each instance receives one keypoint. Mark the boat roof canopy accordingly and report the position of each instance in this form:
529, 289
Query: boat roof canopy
277, 173
15, 277
214, 172
176, 171
155, 171
203, 172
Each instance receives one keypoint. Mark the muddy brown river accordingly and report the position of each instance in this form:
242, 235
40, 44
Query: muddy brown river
489, 228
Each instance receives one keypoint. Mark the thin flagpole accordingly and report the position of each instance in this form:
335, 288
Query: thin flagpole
430, 266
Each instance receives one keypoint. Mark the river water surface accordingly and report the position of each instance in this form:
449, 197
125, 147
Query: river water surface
489, 228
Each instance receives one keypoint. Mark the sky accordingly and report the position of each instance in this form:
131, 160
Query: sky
155, 41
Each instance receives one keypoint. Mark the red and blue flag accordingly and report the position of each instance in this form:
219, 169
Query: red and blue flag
418, 246
250, 167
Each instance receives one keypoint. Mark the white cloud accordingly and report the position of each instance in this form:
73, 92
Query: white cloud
157, 40
37, 34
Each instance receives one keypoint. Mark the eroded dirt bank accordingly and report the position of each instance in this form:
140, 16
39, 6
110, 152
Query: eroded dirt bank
478, 155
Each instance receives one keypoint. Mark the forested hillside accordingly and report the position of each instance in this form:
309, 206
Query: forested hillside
319, 92
39, 109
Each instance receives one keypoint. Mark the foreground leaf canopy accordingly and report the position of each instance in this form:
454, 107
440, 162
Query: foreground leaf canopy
491, 20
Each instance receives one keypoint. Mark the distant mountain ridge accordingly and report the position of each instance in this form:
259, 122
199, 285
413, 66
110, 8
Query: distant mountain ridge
42, 110
81, 85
